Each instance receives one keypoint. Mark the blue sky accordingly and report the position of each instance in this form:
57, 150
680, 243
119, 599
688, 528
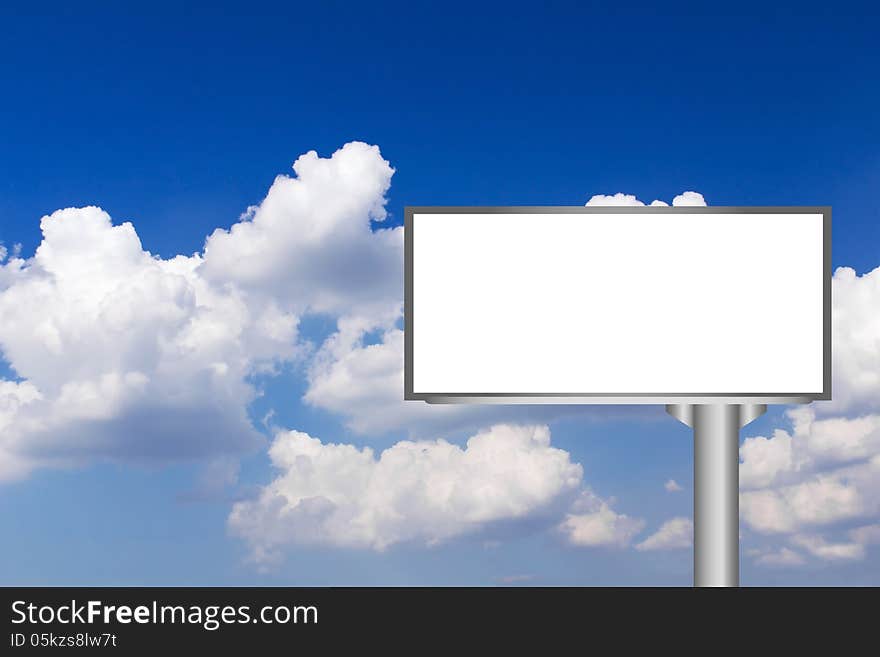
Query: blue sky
178, 119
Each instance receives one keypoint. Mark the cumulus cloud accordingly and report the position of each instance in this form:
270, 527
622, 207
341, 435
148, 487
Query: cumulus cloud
309, 243
811, 446
124, 354
823, 471
425, 491
856, 343
694, 199
619, 199
593, 523
629, 200
673, 534
120, 354
826, 498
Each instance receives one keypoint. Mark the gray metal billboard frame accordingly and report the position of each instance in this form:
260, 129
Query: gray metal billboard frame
484, 397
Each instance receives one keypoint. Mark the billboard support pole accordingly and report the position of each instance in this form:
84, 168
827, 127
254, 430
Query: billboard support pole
716, 486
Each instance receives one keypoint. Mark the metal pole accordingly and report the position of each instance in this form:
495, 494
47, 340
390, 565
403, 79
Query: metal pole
716, 495
716, 487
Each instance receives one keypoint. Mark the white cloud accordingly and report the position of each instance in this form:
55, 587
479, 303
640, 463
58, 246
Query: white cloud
13, 396
593, 523
427, 491
689, 199
619, 199
811, 446
856, 343
782, 558
826, 498
673, 534
672, 486
819, 547
826, 469
124, 355
824, 472
629, 200
764, 459
854, 548
309, 243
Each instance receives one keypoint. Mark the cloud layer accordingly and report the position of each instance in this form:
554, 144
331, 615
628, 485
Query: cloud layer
119, 354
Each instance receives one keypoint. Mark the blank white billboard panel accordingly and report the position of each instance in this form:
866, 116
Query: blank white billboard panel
672, 303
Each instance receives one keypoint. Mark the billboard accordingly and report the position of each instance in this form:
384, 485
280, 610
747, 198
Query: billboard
660, 305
